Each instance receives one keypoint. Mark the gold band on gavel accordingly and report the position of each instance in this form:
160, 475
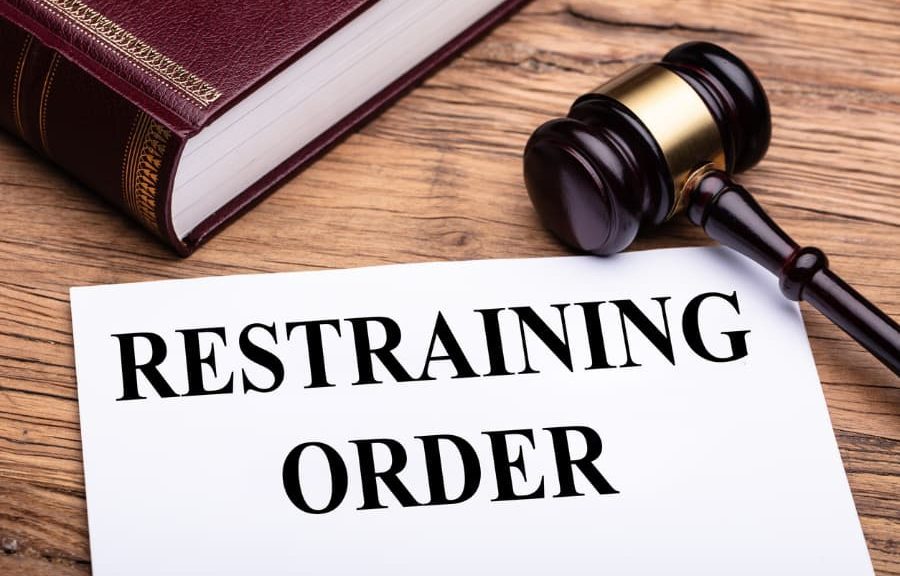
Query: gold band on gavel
675, 116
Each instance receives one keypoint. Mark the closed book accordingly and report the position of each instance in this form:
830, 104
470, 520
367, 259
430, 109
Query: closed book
185, 114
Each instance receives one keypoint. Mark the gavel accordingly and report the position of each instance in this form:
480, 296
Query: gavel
666, 137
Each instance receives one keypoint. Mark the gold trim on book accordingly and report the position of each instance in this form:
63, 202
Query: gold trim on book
112, 36
144, 153
45, 96
17, 85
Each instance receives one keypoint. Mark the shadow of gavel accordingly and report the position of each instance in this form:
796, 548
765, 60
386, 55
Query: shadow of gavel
664, 138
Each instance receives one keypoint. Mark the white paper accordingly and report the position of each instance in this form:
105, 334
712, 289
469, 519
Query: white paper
719, 467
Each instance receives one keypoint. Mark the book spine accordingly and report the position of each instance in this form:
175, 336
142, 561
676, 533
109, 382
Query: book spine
106, 142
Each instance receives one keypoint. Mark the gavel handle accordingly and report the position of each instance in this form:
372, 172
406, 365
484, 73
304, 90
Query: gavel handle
730, 215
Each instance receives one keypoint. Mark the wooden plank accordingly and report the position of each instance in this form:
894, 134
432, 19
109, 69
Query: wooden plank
438, 177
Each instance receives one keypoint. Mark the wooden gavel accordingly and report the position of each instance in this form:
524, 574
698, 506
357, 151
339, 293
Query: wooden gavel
666, 137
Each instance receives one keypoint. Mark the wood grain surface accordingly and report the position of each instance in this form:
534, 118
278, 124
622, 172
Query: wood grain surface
438, 177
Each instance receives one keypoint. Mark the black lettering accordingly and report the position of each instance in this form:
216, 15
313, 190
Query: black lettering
365, 352
261, 356
435, 469
595, 335
454, 354
150, 368
662, 341
503, 465
490, 319
194, 361
369, 476
290, 475
318, 377
565, 464
690, 324
559, 346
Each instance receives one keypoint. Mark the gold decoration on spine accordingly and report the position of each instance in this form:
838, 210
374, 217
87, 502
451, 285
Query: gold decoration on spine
109, 34
140, 169
45, 96
17, 85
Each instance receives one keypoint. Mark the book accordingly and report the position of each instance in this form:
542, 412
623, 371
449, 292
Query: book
185, 114
651, 413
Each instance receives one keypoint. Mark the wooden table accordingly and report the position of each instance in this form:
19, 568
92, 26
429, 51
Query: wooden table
438, 177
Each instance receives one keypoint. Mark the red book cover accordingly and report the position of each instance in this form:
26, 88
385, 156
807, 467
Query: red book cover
113, 91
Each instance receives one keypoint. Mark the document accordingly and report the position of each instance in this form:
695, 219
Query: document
649, 413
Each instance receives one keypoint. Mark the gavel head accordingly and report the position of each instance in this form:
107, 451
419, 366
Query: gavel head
621, 159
